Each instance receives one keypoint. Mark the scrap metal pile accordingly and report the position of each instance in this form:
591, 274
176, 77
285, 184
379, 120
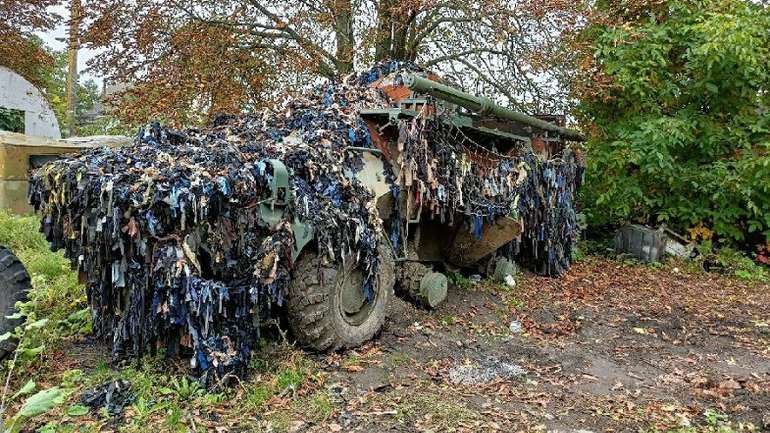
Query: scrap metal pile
170, 236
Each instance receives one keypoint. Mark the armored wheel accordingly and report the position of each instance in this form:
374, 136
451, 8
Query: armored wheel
326, 306
14, 284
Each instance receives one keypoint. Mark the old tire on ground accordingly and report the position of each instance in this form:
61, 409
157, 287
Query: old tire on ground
326, 308
14, 284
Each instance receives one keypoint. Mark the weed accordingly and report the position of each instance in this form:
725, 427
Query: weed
186, 389
351, 360
445, 413
322, 406
657, 265
72, 378
289, 378
578, 253
448, 320
209, 399
257, 395
279, 421
174, 418
56, 305
515, 302
713, 422
459, 280
731, 262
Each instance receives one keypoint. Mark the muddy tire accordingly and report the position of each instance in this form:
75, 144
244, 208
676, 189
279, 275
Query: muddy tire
14, 284
418, 284
326, 309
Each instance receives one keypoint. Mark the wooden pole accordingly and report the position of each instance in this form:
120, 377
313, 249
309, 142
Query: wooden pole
72, 66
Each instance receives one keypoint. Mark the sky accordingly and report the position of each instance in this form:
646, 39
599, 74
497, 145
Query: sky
60, 32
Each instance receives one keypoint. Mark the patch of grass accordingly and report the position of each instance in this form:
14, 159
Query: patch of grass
731, 262
56, 294
448, 320
742, 266
279, 421
289, 372
322, 407
459, 280
515, 302
713, 422
174, 418
257, 395
412, 406
290, 377
351, 359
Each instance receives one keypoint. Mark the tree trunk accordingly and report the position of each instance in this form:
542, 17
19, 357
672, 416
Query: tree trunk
343, 30
383, 44
72, 66
400, 27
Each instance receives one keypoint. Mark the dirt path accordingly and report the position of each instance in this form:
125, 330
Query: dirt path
610, 347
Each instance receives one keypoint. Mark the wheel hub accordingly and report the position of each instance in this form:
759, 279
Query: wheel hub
353, 305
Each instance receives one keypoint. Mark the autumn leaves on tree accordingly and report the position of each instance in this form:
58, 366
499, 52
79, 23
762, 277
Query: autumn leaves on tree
188, 62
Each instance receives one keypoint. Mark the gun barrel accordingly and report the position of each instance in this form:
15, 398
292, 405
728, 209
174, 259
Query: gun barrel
483, 106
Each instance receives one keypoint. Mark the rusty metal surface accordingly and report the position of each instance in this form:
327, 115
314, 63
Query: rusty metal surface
466, 250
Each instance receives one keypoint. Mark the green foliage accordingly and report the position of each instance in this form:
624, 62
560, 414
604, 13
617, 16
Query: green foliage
55, 90
257, 395
290, 377
106, 125
11, 120
322, 407
37, 404
685, 126
56, 305
713, 422
459, 280
56, 308
516, 303
186, 389
732, 262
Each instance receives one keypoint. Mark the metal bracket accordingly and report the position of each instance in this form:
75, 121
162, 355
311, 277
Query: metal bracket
272, 209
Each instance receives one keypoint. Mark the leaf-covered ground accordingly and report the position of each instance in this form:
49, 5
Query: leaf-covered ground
612, 346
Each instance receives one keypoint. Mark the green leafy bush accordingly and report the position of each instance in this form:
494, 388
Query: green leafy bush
11, 120
684, 126
731, 262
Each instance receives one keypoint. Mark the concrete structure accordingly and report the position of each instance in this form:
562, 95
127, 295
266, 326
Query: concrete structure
20, 153
19, 94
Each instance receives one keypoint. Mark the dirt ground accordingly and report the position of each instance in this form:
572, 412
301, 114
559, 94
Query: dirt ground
611, 346
608, 347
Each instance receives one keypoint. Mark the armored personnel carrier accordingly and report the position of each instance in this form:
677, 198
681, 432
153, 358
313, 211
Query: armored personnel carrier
317, 210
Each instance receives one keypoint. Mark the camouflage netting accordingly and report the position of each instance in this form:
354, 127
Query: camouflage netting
169, 234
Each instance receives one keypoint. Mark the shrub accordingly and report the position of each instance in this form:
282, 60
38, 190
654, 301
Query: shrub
683, 128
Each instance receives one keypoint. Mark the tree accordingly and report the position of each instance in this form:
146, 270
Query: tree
205, 56
53, 84
680, 106
20, 51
